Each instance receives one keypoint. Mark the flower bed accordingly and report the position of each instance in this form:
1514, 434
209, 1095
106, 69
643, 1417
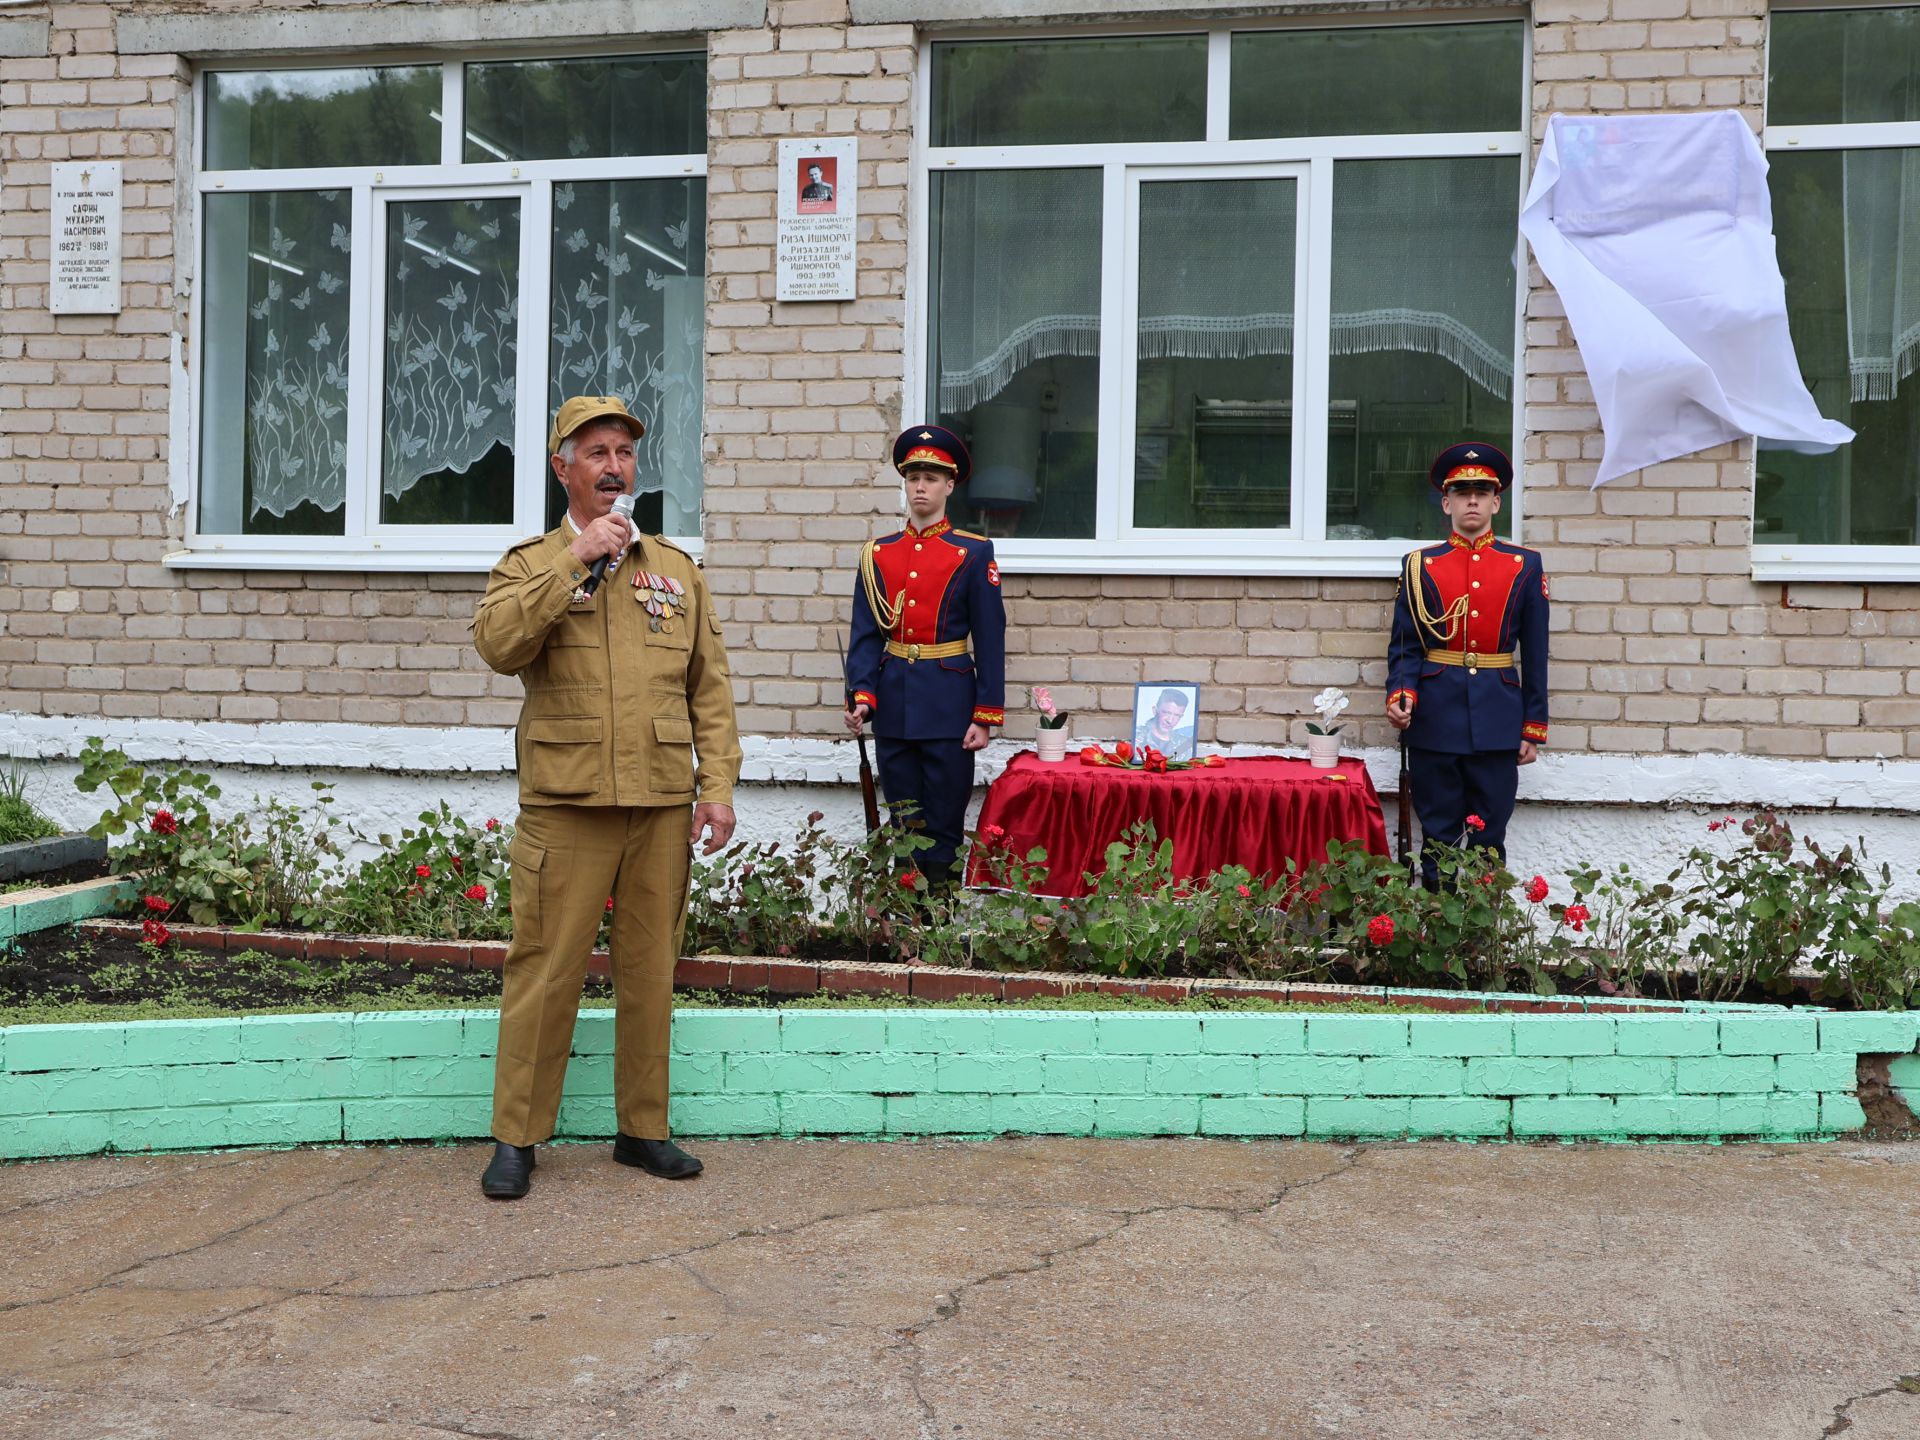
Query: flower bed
1747, 915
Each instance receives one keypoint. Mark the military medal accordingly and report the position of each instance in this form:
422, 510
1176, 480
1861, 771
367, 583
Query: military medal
664, 597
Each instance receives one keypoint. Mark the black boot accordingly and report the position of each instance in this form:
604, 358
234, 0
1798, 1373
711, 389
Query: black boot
509, 1173
656, 1157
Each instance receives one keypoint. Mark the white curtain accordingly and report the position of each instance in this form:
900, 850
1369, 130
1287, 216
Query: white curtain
1422, 262
1881, 217
1423, 254
1657, 232
1019, 276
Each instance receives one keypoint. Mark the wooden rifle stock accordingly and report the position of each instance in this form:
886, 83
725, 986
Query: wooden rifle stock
867, 796
1406, 808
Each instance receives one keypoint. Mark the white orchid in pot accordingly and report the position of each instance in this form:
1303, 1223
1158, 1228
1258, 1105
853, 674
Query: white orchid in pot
1323, 738
1051, 741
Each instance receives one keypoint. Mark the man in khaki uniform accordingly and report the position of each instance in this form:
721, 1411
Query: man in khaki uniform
624, 683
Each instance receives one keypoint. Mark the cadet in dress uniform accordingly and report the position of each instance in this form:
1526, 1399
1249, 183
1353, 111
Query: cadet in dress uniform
1473, 711
922, 595
623, 685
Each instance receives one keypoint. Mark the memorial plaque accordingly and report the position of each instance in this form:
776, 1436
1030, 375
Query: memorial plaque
817, 214
84, 277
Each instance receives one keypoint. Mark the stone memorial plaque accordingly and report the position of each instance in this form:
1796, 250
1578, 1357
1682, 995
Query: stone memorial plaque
84, 277
817, 214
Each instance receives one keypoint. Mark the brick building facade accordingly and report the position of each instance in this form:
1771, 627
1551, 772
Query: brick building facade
1691, 664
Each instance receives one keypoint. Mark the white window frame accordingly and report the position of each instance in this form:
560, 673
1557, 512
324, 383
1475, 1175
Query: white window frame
1117, 547
373, 546
1858, 563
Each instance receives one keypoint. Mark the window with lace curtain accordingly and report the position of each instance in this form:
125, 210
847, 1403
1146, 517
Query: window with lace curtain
1214, 298
1843, 151
404, 269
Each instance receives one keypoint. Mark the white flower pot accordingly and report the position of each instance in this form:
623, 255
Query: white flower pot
1323, 751
1051, 745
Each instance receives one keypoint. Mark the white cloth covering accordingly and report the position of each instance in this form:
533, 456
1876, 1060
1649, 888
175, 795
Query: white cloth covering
1657, 232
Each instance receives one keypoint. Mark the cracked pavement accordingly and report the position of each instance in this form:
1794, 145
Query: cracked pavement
1014, 1288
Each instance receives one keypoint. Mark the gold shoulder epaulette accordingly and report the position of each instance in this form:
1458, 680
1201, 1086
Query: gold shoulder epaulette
971, 535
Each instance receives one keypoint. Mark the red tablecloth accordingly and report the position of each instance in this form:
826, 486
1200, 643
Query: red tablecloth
1258, 812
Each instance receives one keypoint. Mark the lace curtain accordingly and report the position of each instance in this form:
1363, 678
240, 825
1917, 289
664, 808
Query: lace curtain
1423, 261
628, 319
1881, 222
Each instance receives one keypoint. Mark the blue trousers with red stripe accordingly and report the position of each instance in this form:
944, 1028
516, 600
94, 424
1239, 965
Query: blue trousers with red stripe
1447, 788
936, 776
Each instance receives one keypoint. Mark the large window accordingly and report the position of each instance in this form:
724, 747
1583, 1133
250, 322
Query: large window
1213, 300
404, 269
1843, 142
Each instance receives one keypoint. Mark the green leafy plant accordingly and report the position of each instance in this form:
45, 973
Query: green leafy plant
446, 877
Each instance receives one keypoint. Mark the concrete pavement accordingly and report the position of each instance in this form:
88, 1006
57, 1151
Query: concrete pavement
1009, 1289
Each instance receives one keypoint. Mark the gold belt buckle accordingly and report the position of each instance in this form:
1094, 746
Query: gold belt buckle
913, 653
1472, 662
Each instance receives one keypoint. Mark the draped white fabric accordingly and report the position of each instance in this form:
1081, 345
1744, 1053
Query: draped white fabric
1422, 262
1881, 220
1657, 232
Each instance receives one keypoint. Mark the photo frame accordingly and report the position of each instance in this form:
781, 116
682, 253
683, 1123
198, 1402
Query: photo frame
1161, 723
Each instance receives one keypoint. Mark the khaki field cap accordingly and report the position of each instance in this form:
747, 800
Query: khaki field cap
582, 408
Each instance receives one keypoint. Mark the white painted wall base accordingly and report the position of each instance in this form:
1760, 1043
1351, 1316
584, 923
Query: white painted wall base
1574, 809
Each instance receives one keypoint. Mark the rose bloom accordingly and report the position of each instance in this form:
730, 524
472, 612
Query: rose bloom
1537, 889
475, 892
1246, 893
154, 902
163, 822
154, 931
1577, 916
1474, 822
1380, 930
423, 871
493, 824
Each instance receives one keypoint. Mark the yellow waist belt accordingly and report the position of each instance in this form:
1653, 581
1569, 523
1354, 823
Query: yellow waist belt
1471, 659
947, 648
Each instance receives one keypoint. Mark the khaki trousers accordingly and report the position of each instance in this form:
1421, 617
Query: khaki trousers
567, 860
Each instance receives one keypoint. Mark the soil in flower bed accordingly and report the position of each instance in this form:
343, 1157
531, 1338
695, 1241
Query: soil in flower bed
79, 973
73, 976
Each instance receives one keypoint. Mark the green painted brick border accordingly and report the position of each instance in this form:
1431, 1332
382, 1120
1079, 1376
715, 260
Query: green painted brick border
291, 1079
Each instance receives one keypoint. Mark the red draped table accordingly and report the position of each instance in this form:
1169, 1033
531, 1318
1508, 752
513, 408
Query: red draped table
1259, 812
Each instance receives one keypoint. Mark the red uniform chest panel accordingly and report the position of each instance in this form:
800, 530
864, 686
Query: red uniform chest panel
1486, 578
918, 571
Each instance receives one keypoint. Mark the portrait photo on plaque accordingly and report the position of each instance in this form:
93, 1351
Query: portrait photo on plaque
817, 182
1166, 715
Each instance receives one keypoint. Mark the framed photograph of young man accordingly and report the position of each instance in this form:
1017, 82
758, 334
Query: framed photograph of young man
1166, 715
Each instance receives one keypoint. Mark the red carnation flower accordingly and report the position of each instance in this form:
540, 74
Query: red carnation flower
1474, 822
154, 932
1537, 889
1380, 930
1577, 916
155, 903
163, 822
423, 871
475, 892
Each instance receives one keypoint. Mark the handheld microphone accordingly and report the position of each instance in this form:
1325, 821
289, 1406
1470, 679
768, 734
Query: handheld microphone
623, 507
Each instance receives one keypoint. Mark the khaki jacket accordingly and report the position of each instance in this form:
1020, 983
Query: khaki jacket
615, 710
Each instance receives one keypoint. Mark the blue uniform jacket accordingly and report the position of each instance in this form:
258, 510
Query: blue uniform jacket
1489, 598
946, 587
